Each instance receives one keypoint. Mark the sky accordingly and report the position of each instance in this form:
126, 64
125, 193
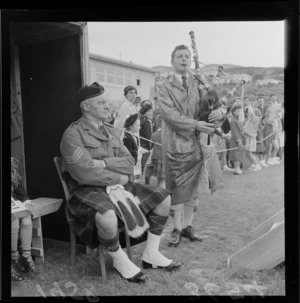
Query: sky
150, 44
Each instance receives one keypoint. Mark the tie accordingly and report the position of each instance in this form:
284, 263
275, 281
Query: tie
184, 84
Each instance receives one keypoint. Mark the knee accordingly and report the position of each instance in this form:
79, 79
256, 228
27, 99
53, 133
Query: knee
163, 208
107, 222
15, 225
26, 222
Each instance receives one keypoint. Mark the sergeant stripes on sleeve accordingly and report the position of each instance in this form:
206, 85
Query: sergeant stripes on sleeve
75, 157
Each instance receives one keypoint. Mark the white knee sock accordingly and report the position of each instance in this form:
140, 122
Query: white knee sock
123, 264
151, 253
188, 215
177, 218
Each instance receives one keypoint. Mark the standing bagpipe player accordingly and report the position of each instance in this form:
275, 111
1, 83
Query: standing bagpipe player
180, 101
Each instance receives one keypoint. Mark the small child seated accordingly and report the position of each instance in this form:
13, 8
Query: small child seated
20, 263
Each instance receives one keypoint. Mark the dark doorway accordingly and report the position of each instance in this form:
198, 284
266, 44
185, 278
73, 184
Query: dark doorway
50, 79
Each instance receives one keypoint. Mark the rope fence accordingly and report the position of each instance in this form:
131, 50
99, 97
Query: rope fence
219, 151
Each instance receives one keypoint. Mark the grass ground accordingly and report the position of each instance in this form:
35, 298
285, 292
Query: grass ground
224, 219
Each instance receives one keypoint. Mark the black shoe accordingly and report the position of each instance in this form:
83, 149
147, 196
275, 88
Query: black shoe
189, 233
173, 266
140, 277
15, 276
27, 263
19, 266
175, 237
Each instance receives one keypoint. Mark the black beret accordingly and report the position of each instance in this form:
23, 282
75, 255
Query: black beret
130, 120
90, 91
145, 108
129, 88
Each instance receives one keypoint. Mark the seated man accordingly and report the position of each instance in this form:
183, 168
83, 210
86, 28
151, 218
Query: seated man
95, 157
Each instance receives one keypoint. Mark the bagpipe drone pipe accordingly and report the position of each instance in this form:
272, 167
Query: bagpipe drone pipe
211, 99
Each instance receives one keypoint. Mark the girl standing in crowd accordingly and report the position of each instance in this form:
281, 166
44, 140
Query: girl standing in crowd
237, 138
20, 263
281, 133
260, 147
131, 141
250, 133
220, 145
126, 109
270, 133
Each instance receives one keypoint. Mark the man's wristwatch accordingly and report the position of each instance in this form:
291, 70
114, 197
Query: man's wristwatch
104, 164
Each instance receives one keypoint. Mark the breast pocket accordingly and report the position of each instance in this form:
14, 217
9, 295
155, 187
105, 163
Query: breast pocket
95, 148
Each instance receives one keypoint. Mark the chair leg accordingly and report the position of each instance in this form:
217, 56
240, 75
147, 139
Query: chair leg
73, 247
127, 240
102, 262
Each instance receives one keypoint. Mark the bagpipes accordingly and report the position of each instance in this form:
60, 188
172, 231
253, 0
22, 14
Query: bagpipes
211, 99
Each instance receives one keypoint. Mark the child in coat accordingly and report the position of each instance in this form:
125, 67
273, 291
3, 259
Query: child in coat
250, 133
236, 141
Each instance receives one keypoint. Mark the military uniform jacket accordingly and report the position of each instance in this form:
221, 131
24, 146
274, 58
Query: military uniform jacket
82, 145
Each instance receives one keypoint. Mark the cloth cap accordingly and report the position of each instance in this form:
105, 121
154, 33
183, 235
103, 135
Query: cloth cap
129, 88
145, 108
130, 120
90, 91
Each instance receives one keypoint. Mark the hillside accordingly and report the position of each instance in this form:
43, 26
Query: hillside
258, 73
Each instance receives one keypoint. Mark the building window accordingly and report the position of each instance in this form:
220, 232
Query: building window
117, 75
120, 81
100, 77
128, 81
110, 79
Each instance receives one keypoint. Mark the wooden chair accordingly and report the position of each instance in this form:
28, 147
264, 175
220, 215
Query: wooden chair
100, 251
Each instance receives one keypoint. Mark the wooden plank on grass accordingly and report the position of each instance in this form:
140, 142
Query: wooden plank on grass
37, 249
44, 206
266, 226
37, 252
36, 232
265, 252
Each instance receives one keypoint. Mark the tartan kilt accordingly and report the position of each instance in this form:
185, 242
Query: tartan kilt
86, 201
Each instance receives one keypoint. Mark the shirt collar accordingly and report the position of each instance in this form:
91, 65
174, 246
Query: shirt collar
94, 124
179, 77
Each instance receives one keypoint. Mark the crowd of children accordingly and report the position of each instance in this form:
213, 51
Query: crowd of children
256, 134
252, 132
